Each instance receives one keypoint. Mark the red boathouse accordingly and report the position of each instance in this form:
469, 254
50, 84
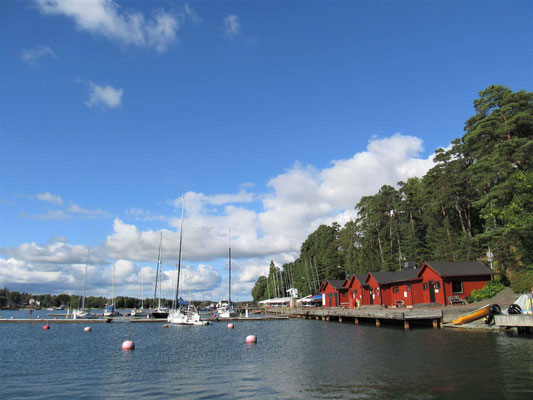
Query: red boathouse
357, 294
391, 288
442, 280
334, 293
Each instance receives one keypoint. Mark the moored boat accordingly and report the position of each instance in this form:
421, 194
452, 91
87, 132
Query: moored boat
472, 315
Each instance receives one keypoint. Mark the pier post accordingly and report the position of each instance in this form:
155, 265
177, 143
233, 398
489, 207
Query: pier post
406, 325
435, 324
317, 317
378, 322
356, 321
328, 318
340, 320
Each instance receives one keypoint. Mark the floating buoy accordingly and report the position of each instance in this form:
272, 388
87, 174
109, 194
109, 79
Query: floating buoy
165, 326
12, 318
147, 316
214, 315
46, 327
128, 345
251, 339
230, 326
55, 317
87, 329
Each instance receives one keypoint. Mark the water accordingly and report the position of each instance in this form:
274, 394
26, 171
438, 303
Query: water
293, 359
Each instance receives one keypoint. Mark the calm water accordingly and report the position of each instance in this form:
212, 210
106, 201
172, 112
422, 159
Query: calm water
293, 359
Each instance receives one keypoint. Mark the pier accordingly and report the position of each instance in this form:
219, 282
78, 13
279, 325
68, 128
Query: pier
431, 317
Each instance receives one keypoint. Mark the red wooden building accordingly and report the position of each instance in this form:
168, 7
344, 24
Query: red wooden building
394, 288
441, 280
357, 294
334, 293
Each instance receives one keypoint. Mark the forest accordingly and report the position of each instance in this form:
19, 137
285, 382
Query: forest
476, 203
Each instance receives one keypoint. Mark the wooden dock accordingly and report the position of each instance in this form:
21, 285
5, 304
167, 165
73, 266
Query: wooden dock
522, 322
371, 314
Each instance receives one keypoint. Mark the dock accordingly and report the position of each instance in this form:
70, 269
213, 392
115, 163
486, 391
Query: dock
375, 315
522, 322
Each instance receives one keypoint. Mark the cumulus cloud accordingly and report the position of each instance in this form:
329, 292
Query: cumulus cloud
264, 226
106, 18
231, 27
31, 56
104, 95
50, 198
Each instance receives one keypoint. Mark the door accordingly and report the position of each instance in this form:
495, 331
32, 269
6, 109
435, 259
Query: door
431, 285
371, 297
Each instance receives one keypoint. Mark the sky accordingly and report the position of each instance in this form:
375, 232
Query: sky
268, 117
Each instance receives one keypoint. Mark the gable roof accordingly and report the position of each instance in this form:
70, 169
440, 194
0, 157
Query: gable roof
388, 277
360, 278
461, 268
335, 283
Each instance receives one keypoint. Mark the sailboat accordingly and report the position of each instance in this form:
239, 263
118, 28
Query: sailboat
182, 314
224, 307
82, 313
109, 309
141, 312
159, 312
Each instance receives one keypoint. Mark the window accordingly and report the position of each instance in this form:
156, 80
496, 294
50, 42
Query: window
396, 289
407, 287
457, 287
425, 286
437, 285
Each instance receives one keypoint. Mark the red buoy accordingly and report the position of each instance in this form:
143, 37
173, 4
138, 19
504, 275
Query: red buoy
55, 317
251, 339
128, 345
46, 327
87, 329
230, 326
165, 326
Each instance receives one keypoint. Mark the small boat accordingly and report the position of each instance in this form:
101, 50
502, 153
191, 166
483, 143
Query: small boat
472, 315
82, 313
181, 313
225, 307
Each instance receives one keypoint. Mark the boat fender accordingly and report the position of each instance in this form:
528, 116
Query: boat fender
514, 309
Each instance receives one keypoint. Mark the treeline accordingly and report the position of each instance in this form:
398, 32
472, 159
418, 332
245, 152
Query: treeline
14, 299
478, 196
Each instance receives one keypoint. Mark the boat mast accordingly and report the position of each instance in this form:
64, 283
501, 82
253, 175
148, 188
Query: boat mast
229, 268
113, 284
176, 304
157, 268
85, 281
142, 288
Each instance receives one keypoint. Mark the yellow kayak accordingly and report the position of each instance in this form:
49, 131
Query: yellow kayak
472, 315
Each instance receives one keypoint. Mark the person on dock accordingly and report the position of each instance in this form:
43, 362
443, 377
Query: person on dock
30, 311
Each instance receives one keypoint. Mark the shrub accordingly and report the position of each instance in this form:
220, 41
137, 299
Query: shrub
522, 281
488, 291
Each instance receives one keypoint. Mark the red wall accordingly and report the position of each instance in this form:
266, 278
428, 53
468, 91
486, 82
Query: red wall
330, 290
469, 283
361, 295
429, 275
375, 290
344, 298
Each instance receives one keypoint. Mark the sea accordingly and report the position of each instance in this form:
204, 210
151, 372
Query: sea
292, 359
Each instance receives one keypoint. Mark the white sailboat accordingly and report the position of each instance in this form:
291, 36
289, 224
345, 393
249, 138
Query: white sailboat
141, 312
181, 314
109, 309
159, 312
224, 307
82, 313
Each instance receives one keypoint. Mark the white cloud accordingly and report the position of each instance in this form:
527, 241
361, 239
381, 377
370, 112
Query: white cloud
31, 56
104, 95
265, 226
231, 27
50, 198
106, 18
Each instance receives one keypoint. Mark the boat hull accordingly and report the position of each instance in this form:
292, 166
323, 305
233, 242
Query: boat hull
472, 316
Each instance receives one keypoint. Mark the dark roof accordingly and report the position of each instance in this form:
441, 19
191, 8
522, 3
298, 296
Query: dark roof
460, 268
361, 278
336, 283
386, 277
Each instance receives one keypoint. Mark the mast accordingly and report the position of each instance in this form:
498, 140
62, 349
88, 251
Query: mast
142, 288
176, 299
157, 268
85, 281
229, 268
113, 284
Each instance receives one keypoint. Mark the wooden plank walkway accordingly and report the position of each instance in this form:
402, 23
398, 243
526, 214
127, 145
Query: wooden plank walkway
378, 315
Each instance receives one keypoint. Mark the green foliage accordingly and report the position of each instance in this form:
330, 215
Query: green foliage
522, 281
491, 289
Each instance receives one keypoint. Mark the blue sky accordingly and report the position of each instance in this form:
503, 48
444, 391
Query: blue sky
271, 116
